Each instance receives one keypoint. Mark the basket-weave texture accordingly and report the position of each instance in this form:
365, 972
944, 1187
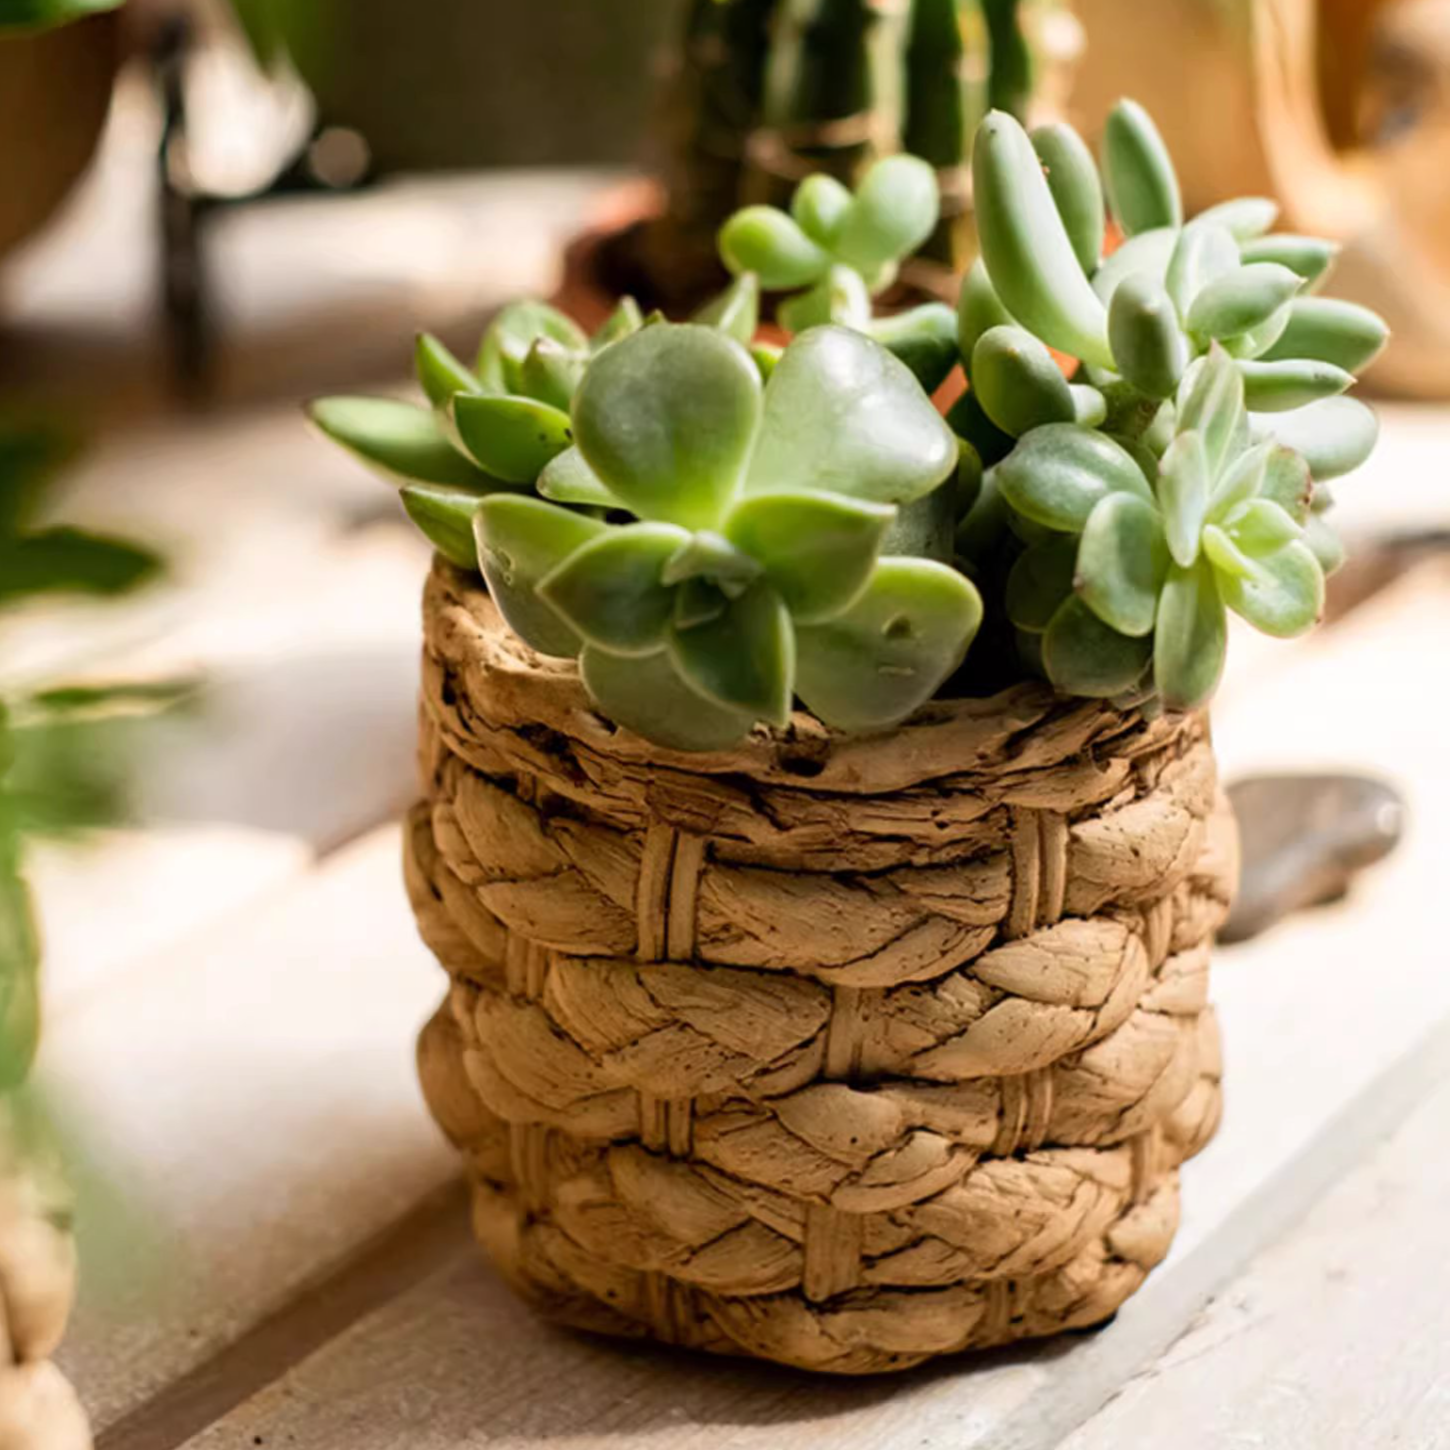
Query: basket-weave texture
840, 1052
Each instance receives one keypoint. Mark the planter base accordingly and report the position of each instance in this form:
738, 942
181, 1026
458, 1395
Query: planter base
842, 1053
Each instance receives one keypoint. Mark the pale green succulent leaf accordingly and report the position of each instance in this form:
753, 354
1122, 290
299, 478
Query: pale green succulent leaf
924, 338
1058, 474
1333, 437
1039, 582
520, 542
1204, 253
1025, 245
610, 591
1309, 257
1211, 402
736, 311
708, 555
512, 333
440, 374
1018, 382
1243, 217
648, 697
1151, 350
1331, 331
1259, 526
820, 206
1282, 596
1242, 480
1121, 563
1325, 544
842, 415
764, 240
1146, 255
1083, 656
667, 419
445, 517
817, 550
1089, 407
1190, 641
979, 309
894, 211
1227, 559
1286, 482
512, 437
551, 373
567, 478
744, 659
1138, 173
1278, 387
401, 441
624, 321
1242, 300
891, 651
1072, 178
840, 296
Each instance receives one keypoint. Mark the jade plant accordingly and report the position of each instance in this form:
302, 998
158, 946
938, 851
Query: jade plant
1181, 472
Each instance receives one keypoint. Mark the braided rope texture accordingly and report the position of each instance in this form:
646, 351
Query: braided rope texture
839, 1052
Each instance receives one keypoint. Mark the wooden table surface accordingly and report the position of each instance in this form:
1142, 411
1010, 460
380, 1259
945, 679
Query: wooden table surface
234, 991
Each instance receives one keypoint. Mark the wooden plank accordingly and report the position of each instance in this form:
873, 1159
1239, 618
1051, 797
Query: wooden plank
1338, 1337
252, 1097
1305, 1044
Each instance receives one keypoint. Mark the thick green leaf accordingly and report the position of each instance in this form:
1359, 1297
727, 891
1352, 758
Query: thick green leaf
924, 338
1073, 181
1122, 562
1244, 217
1277, 387
1282, 594
985, 528
926, 527
649, 697
624, 321
817, 549
820, 205
744, 659
978, 310
520, 542
1147, 255
841, 296
1138, 172
568, 479
894, 211
440, 373
1333, 437
1211, 402
1325, 544
712, 557
1242, 300
1183, 495
551, 373
765, 241
1041, 580
1259, 526
1026, 246
70, 561
404, 443
842, 415
1242, 480
1191, 638
1083, 656
1204, 253
1018, 382
1331, 331
1057, 475
1309, 257
736, 311
1151, 350
510, 336
1286, 482
611, 592
445, 518
513, 438
892, 650
667, 419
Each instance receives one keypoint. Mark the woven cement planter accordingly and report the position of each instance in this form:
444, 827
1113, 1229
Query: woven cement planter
838, 1052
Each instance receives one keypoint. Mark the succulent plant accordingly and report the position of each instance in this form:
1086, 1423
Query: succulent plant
746, 558
1180, 469
834, 251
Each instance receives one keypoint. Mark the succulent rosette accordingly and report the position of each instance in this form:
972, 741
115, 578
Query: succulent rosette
747, 566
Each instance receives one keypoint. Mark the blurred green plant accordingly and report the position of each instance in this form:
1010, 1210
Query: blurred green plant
44, 14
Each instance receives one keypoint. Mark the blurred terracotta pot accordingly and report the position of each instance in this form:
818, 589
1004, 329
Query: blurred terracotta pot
55, 90
1237, 91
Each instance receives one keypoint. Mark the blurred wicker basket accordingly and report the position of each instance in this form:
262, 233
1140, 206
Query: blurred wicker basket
839, 1052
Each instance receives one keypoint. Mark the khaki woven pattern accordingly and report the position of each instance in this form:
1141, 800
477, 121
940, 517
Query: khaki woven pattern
840, 1052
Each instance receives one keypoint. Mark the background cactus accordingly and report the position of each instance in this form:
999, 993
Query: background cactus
769, 92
